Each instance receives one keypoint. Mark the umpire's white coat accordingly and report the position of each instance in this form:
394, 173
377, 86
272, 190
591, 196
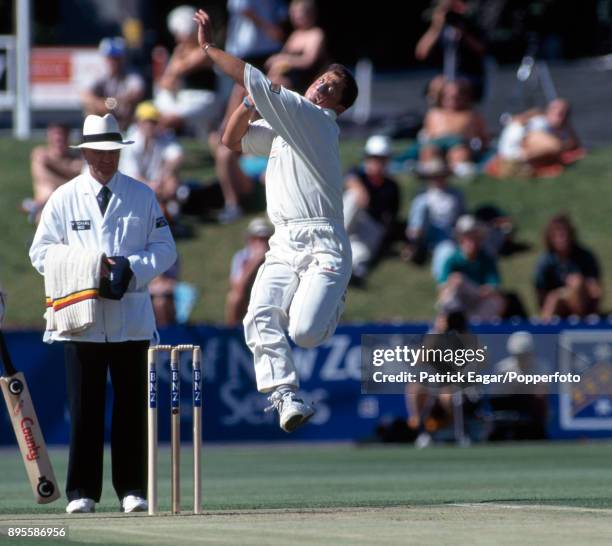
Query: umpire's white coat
133, 226
301, 285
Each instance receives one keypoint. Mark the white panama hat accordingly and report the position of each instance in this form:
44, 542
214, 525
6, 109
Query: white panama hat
102, 133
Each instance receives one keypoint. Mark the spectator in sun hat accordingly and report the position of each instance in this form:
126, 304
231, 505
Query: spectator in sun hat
371, 203
118, 91
156, 156
185, 94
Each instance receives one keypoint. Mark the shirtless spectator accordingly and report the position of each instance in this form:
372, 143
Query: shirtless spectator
245, 265
52, 165
118, 91
454, 131
155, 156
539, 142
304, 53
469, 281
568, 276
185, 95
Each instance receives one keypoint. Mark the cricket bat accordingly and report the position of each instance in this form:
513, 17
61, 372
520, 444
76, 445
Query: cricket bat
27, 429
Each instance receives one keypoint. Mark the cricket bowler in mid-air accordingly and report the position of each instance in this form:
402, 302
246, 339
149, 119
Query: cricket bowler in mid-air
300, 288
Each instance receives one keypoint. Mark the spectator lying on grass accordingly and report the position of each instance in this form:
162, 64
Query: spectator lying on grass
538, 143
567, 276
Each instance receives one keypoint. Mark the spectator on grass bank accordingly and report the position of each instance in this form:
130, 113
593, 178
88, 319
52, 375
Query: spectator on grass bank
457, 43
371, 204
186, 90
52, 165
255, 32
432, 217
119, 90
568, 275
538, 143
304, 54
162, 290
469, 280
454, 131
155, 157
245, 265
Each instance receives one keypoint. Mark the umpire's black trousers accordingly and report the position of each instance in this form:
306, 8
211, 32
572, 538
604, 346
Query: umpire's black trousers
87, 366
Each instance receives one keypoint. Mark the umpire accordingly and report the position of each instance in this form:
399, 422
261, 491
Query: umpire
103, 210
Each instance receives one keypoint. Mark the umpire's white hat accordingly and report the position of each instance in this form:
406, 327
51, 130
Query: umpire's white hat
102, 133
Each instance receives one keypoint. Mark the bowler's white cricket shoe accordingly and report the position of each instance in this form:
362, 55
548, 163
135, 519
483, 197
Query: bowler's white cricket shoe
293, 412
81, 506
134, 503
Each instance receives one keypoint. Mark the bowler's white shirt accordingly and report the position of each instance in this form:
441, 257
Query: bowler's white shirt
133, 226
304, 174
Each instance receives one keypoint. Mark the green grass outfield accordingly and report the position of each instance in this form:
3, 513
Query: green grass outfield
395, 291
549, 493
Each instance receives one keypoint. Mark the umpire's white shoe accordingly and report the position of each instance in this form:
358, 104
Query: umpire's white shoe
81, 506
293, 412
134, 503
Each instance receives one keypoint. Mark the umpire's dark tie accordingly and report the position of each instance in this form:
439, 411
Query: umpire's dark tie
103, 198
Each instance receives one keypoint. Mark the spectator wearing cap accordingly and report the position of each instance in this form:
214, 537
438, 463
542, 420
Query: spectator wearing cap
432, 217
156, 155
186, 90
371, 204
568, 275
245, 265
519, 410
469, 280
52, 164
119, 90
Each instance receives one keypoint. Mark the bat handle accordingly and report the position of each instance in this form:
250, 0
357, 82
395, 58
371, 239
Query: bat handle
6, 357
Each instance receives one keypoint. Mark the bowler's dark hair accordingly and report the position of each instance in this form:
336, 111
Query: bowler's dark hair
350, 91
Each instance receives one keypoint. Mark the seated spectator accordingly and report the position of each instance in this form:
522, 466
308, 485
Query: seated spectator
432, 218
538, 143
155, 156
52, 165
469, 280
118, 91
162, 290
185, 95
245, 265
567, 276
371, 204
454, 131
304, 55
255, 32
519, 410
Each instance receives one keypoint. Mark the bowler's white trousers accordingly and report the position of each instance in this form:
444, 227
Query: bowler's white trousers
299, 289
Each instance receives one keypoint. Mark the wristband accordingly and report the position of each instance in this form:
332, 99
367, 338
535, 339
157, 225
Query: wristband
247, 104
